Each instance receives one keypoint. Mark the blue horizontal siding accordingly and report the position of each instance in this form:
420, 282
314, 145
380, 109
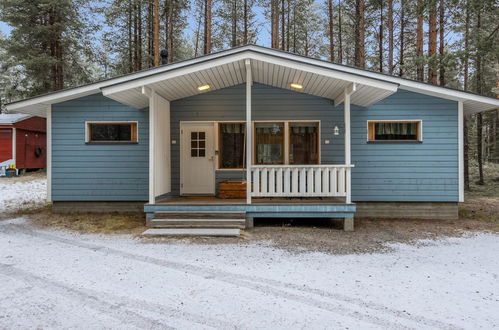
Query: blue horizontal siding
405, 172
90, 172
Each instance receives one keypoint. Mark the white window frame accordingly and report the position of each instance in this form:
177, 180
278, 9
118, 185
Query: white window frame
87, 130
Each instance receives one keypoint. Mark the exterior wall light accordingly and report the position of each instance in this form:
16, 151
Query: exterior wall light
204, 87
296, 86
336, 130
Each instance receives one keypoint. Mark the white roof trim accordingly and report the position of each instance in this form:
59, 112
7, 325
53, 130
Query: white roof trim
472, 102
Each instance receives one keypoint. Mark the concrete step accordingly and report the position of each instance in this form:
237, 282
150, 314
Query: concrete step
228, 232
198, 223
199, 215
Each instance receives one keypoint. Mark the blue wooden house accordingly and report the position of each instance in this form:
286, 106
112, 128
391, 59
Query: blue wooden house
292, 136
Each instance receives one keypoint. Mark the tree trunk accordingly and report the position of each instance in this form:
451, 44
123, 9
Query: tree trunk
442, 42
207, 27
156, 32
171, 27
432, 42
419, 42
331, 30
466, 119
283, 22
135, 38
288, 25
380, 41
390, 36
130, 37
198, 31
340, 35
139, 37
245, 33
402, 38
466, 48
466, 148
234, 24
479, 120
56, 52
360, 56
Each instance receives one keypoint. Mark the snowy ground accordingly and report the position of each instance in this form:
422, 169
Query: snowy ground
15, 193
55, 279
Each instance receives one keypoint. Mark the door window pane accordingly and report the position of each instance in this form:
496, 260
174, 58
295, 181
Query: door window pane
232, 145
198, 144
304, 143
269, 143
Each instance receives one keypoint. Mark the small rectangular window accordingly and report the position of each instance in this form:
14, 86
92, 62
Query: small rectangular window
269, 143
232, 145
112, 132
403, 131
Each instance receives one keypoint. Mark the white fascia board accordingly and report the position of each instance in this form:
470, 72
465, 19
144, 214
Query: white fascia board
406, 84
64, 95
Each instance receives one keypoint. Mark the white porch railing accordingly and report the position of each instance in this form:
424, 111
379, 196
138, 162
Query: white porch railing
301, 180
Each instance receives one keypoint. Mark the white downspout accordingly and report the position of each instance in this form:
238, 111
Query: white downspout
460, 130
249, 148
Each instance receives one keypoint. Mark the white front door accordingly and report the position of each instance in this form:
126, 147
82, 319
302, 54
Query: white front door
197, 158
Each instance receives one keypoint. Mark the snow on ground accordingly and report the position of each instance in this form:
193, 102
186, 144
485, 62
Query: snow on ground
56, 279
17, 194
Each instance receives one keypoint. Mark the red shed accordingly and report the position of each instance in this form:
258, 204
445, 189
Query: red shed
23, 141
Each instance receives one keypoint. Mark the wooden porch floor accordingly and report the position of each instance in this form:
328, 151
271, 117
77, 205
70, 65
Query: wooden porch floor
212, 200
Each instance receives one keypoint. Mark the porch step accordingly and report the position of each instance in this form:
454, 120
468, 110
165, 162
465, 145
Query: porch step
229, 232
198, 223
199, 215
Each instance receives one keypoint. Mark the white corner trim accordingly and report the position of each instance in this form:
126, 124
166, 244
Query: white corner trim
460, 138
49, 153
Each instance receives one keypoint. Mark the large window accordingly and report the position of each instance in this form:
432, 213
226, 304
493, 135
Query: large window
269, 143
403, 131
304, 143
111, 132
280, 142
232, 145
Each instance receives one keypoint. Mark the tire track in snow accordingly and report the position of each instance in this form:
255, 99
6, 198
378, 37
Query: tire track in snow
115, 310
279, 288
90, 297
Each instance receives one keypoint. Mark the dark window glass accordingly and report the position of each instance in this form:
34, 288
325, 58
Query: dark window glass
198, 144
396, 131
232, 145
304, 143
107, 132
269, 143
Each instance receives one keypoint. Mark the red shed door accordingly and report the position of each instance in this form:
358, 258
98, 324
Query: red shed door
5, 144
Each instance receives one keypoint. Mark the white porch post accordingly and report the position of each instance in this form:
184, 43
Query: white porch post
249, 148
348, 157
152, 119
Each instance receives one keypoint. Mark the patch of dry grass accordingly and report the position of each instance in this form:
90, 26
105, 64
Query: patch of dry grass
99, 223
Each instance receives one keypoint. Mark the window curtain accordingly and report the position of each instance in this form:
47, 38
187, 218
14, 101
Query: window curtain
396, 131
303, 147
269, 143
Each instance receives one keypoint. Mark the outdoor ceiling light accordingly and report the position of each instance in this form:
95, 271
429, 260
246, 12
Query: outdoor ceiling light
296, 86
204, 87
